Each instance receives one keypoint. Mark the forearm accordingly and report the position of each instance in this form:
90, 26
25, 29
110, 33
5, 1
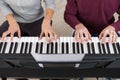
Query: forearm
71, 19
49, 14
70, 14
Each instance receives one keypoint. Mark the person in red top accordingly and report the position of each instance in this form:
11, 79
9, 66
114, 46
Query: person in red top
93, 17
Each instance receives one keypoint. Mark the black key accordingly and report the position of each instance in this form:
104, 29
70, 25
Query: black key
30, 48
1, 44
22, 46
88, 46
78, 48
73, 44
93, 48
52, 47
15, 48
62, 47
82, 49
56, 47
26, 47
99, 47
48, 45
108, 49
67, 48
11, 47
37, 46
4, 48
41, 48
118, 47
103, 47
114, 48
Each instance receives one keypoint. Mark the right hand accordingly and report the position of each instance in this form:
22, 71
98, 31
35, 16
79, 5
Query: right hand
82, 34
13, 28
47, 30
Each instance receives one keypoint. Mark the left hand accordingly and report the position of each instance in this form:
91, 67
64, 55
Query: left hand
110, 32
47, 30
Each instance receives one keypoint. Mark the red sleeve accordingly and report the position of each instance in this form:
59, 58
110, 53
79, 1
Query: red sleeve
70, 15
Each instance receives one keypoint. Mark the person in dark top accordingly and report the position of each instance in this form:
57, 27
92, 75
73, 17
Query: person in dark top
93, 17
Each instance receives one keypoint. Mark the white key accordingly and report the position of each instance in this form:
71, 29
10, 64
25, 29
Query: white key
35, 40
106, 48
65, 45
22, 39
61, 40
96, 48
111, 48
85, 48
116, 48
8, 45
95, 41
58, 46
66, 39
44, 45
71, 46
2, 47
29, 39
19, 47
70, 39
32, 41
53, 47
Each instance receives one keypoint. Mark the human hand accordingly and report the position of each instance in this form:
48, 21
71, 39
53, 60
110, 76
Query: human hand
82, 34
110, 32
47, 30
13, 28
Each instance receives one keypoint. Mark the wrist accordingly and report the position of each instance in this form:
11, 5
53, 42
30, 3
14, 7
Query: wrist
11, 19
78, 26
47, 20
112, 27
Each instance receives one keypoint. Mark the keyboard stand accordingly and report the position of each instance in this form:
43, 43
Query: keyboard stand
61, 72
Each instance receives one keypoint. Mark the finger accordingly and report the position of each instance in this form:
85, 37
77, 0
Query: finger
103, 37
11, 36
19, 33
110, 38
100, 36
51, 35
114, 37
56, 37
41, 35
47, 37
87, 36
82, 38
4, 35
77, 37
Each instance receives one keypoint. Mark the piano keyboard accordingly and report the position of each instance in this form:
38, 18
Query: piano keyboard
66, 45
65, 50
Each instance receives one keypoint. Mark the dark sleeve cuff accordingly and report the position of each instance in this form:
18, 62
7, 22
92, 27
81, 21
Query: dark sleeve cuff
116, 25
